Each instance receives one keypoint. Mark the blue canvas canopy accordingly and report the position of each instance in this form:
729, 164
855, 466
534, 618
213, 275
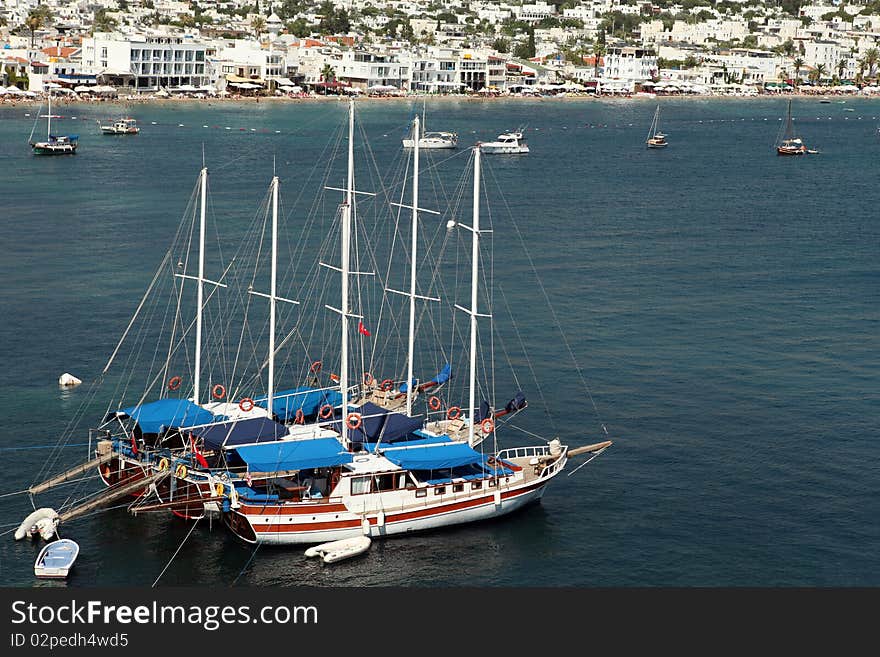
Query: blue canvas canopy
434, 457
441, 378
239, 432
379, 424
285, 403
413, 439
294, 455
160, 415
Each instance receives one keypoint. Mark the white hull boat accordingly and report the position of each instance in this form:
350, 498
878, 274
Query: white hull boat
434, 140
509, 143
56, 559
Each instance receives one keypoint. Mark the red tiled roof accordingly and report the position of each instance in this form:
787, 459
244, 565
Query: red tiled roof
52, 51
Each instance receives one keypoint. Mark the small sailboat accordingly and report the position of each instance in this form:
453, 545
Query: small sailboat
656, 139
56, 559
791, 144
54, 144
432, 140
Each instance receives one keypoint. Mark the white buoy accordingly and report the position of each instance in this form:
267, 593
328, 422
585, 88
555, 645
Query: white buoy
68, 379
450, 223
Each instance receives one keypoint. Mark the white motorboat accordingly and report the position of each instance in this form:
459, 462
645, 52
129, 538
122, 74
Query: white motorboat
125, 126
506, 143
342, 549
56, 559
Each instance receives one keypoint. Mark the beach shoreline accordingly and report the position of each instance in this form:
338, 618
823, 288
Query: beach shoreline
212, 100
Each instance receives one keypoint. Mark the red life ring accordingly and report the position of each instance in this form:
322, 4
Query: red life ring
434, 403
353, 421
325, 411
386, 385
174, 382
300, 417
368, 379
487, 425
453, 413
316, 367
246, 405
218, 391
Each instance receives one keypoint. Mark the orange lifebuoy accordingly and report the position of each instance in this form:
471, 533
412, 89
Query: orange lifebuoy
246, 405
353, 421
300, 417
325, 411
386, 385
434, 403
487, 425
368, 379
453, 413
174, 382
218, 391
316, 367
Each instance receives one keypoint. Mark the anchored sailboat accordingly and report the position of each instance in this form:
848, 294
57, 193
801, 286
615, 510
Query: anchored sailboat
431, 140
318, 464
790, 143
54, 144
656, 139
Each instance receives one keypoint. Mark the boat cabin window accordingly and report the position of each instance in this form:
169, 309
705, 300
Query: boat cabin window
384, 482
476, 484
360, 485
439, 490
457, 488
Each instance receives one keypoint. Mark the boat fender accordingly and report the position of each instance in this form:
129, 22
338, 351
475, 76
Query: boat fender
28, 525
365, 526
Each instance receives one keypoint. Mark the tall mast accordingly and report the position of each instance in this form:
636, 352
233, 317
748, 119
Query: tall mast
412, 269
272, 292
346, 247
49, 116
475, 254
201, 286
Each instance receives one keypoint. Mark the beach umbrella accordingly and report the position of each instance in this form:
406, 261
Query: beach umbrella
82, 89
14, 90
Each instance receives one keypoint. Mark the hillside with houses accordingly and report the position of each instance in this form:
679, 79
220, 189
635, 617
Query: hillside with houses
297, 47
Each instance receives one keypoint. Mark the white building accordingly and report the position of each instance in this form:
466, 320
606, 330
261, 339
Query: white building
631, 64
147, 63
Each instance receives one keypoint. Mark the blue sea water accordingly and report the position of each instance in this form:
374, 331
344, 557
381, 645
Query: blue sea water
722, 303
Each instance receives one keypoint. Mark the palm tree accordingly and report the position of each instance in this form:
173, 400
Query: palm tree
870, 60
328, 74
798, 65
258, 23
36, 19
820, 72
841, 67
598, 52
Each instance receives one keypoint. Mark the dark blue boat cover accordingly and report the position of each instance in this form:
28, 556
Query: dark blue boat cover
379, 424
294, 455
157, 416
239, 432
285, 403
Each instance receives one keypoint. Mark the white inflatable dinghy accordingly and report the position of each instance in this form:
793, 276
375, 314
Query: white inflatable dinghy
342, 549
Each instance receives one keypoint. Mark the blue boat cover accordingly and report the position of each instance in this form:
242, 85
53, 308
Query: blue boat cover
380, 424
239, 432
441, 378
157, 416
285, 403
434, 457
412, 440
294, 455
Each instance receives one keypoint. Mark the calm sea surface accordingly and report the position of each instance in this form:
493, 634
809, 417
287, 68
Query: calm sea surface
723, 304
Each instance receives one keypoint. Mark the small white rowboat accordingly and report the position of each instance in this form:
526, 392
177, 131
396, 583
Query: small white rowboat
56, 559
342, 549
